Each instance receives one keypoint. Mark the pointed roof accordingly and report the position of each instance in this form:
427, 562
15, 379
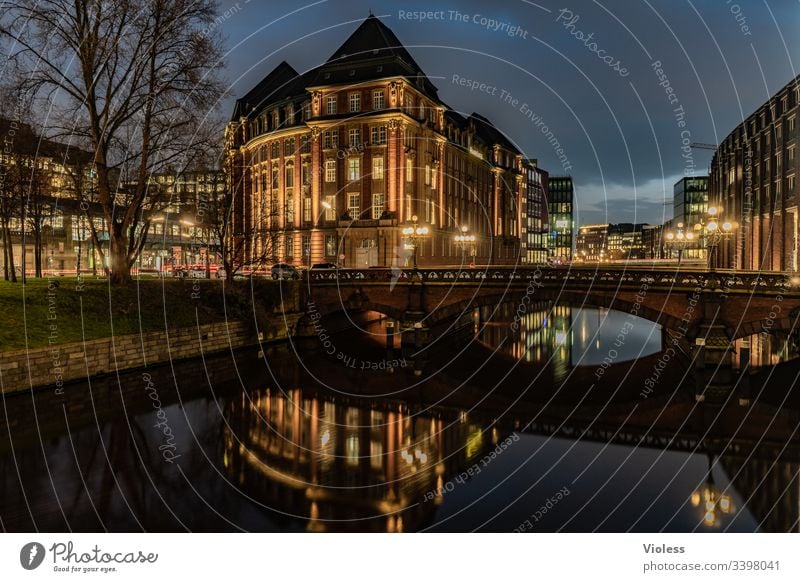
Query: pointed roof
281, 83
372, 51
372, 39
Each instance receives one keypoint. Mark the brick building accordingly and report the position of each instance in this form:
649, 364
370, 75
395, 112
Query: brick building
331, 164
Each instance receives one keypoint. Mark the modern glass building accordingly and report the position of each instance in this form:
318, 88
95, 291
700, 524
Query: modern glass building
691, 208
560, 208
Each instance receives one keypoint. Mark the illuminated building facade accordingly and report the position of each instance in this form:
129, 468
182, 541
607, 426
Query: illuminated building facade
592, 243
560, 208
754, 180
330, 164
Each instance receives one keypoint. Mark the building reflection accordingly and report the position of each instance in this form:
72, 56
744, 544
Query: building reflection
342, 467
562, 336
543, 334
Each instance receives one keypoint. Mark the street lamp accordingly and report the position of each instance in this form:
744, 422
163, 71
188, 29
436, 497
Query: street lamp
679, 240
714, 230
414, 234
464, 240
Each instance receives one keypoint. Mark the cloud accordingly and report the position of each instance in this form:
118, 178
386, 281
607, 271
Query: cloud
650, 201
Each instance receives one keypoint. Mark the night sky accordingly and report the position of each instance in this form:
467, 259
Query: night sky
600, 96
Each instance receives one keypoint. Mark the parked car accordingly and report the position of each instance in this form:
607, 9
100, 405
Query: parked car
324, 266
284, 271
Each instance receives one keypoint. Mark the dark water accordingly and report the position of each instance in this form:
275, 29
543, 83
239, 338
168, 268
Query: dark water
509, 430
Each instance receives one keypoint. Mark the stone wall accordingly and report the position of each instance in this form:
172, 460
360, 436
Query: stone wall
54, 366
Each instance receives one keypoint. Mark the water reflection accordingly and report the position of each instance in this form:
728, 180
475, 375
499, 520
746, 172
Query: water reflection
278, 453
564, 337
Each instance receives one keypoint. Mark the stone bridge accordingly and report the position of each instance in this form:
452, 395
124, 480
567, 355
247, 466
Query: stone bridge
690, 302
706, 309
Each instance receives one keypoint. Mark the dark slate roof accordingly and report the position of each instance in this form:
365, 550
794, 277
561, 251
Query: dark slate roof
282, 83
372, 51
489, 133
28, 142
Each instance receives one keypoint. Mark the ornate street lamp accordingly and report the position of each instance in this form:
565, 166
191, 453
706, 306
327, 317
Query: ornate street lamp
414, 233
464, 240
679, 240
714, 230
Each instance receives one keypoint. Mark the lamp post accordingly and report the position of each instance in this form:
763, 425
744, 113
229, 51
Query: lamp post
414, 234
714, 230
679, 240
464, 240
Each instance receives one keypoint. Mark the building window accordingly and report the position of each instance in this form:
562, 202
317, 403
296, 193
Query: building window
275, 178
306, 174
288, 147
354, 205
289, 181
330, 245
791, 154
353, 169
289, 210
274, 149
377, 168
427, 174
307, 209
377, 205
331, 105
378, 135
377, 99
408, 207
355, 102
306, 240
289, 246
330, 211
330, 170
354, 137
790, 183
409, 170
790, 123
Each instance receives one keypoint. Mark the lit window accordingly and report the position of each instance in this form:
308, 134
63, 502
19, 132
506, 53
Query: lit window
409, 170
427, 174
354, 205
377, 168
377, 205
330, 209
330, 170
353, 169
307, 209
331, 110
330, 245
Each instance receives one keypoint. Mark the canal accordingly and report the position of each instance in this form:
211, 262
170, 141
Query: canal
561, 418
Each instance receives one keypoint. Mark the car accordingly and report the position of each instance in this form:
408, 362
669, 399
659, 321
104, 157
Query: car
319, 266
284, 271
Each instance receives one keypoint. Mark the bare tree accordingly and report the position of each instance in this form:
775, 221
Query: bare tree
134, 81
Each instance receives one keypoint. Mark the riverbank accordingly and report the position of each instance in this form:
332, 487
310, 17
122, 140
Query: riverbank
56, 331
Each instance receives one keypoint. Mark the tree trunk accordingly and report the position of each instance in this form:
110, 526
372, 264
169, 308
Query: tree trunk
120, 269
6, 245
10, 248
37, 254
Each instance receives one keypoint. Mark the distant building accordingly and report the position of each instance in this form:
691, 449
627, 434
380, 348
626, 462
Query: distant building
182, 233
560, 210
652, 243
610, 242
535, 223
625, 241
592, 243
690, 209
754, 180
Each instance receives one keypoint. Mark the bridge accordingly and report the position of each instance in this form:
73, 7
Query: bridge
706, 309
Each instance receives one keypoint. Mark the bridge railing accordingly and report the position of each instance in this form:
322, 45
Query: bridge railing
738, 281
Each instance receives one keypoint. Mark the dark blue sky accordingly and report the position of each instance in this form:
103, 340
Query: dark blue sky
621, 137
